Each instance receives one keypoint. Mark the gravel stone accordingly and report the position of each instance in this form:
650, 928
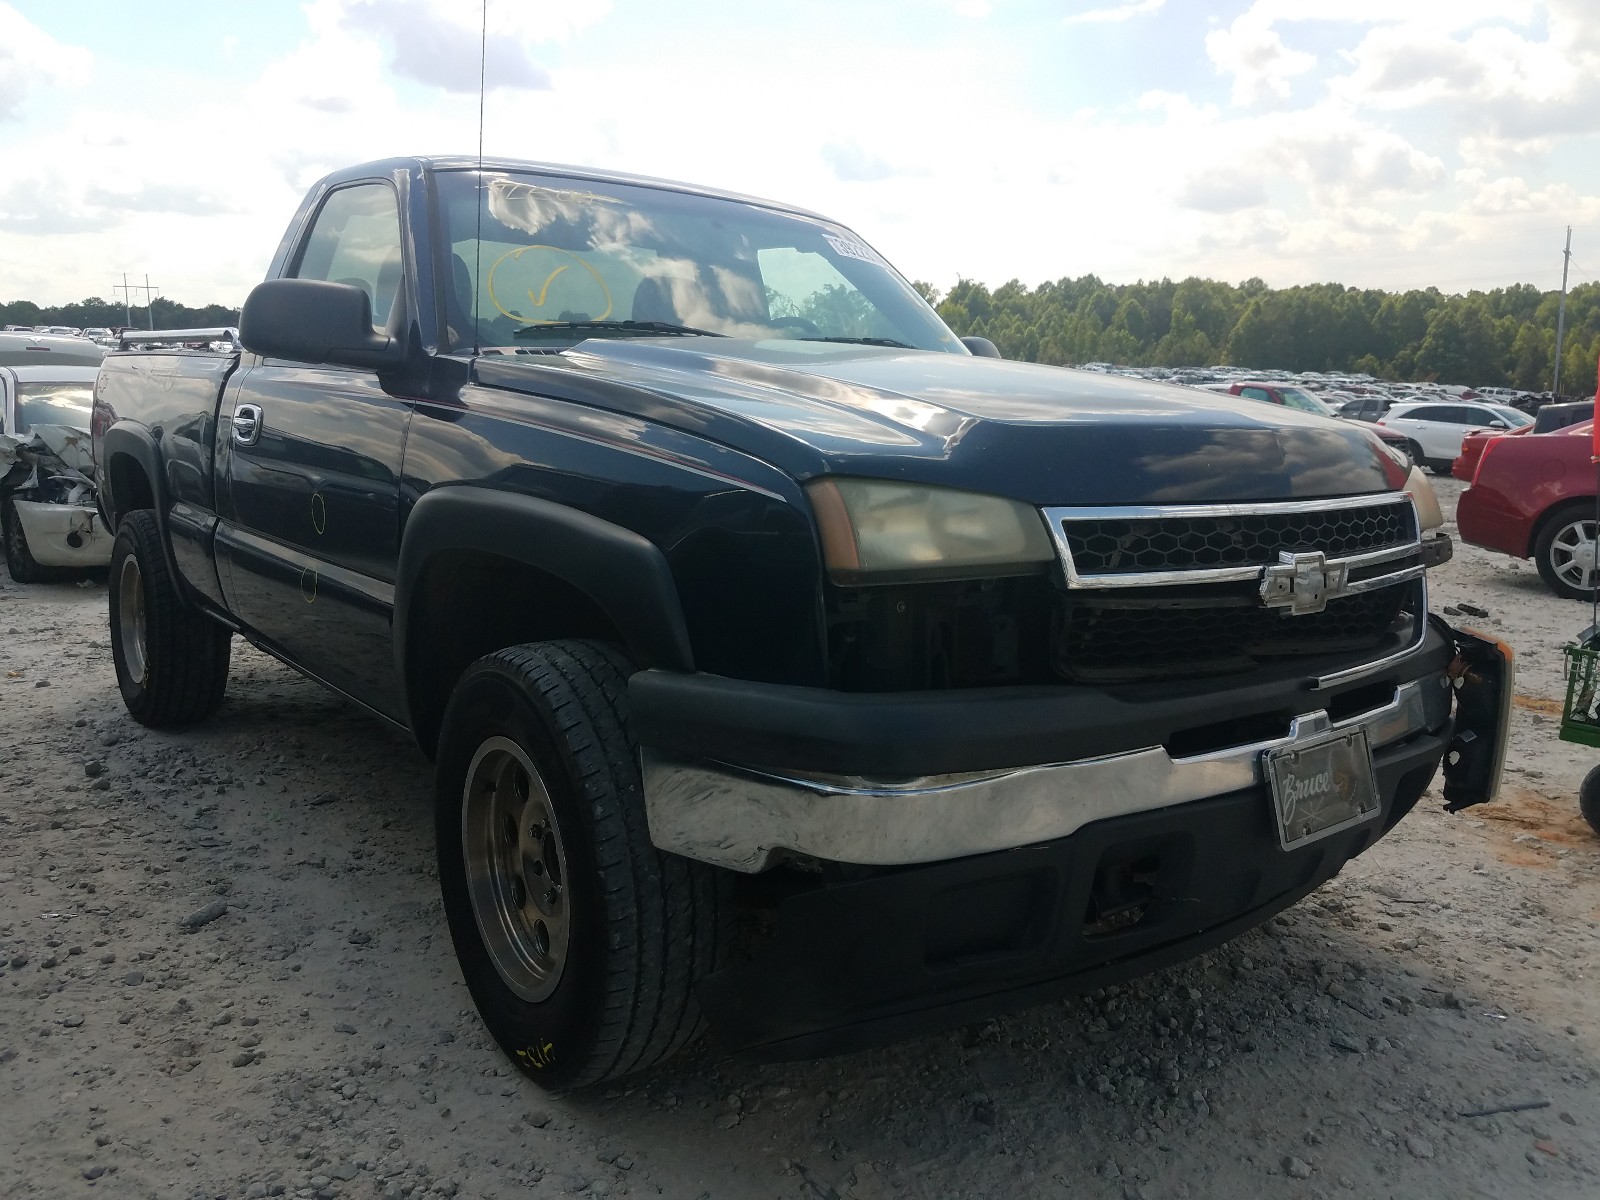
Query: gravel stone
203, 916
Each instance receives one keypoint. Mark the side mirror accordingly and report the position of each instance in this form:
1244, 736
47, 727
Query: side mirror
982, 347
1497, 425
314, 321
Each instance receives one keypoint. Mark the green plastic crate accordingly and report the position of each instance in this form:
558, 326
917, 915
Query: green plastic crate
1580, 720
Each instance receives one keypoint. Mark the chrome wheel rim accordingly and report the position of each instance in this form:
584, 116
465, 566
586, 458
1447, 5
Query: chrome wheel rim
516, 868
131, 620
1572, 555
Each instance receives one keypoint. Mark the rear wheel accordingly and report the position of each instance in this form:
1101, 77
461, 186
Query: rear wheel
19, 559
580, 942
1414, 451
1566, 553
172, 662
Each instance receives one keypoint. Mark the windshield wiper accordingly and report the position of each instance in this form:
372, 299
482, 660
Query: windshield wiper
642, 328
861, 341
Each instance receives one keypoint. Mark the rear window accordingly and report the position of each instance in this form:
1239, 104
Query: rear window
68, 404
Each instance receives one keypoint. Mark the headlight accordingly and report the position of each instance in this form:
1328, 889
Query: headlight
1422, 495
873, 528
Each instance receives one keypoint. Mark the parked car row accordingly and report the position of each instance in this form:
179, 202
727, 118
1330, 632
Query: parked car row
99, 334
1434, 431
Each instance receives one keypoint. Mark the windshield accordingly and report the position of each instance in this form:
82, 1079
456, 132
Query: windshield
1304, 401
561, 260
67, 404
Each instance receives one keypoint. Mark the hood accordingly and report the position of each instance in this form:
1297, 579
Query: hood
1043, 435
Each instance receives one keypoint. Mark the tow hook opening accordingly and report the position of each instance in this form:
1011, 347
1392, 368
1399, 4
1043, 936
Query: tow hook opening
1121, 895
75, 540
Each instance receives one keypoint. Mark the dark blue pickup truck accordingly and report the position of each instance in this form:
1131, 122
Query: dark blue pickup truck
785, 659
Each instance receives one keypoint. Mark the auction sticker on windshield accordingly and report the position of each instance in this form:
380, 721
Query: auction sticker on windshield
1321, 786
850, 248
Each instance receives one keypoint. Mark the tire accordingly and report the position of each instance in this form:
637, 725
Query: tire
20, 562
1441, 466
1414, 451
1565, 546
593, 978
1589, 798
172, 662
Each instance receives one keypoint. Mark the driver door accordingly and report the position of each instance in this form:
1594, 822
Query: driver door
309, 465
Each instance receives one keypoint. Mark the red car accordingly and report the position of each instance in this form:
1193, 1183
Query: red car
1472, 447
1534, 497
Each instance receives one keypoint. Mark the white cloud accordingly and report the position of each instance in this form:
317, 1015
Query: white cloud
850, 163
31, 58
1354, 174
1251, 51
1502, 85
1340, 160
439, 42
433, 45
1223, 190
1119, 12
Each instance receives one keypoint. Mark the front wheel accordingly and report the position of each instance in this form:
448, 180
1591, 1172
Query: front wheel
19, 559
172, 662
1566, 553
580, 942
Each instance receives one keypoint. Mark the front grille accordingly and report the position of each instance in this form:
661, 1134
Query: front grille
1167, 592
1122, 635
1109, 545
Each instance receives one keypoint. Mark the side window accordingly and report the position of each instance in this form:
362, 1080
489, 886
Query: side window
356, 239
1426, 413
1250, 393
806, 293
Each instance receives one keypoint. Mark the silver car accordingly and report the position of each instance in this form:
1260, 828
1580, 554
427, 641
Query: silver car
48, 514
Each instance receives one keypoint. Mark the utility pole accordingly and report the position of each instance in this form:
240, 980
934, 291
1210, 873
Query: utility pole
128, 289
127, 299
150, 307
1561, 314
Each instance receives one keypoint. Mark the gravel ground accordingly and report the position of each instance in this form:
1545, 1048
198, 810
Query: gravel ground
224, 972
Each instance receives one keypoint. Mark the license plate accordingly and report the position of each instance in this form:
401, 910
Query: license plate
1321, 786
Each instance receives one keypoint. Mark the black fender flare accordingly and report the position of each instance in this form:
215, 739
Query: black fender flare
139, 444
621, 571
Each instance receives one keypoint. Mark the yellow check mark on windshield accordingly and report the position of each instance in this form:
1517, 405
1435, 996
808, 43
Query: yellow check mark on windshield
538, 301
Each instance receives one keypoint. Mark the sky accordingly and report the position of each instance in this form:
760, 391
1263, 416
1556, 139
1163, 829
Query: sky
1375, 143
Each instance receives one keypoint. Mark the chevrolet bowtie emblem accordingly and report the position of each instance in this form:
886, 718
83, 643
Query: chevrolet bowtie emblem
1303, 583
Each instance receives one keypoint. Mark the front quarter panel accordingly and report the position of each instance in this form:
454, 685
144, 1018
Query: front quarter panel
735, 532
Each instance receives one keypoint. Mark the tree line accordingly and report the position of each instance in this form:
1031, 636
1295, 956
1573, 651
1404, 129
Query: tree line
1501, 338
97, 313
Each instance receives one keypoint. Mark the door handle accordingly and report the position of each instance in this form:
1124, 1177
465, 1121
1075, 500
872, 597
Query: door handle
246, 424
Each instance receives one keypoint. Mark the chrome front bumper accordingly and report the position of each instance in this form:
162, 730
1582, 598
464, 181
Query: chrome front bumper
739, 818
